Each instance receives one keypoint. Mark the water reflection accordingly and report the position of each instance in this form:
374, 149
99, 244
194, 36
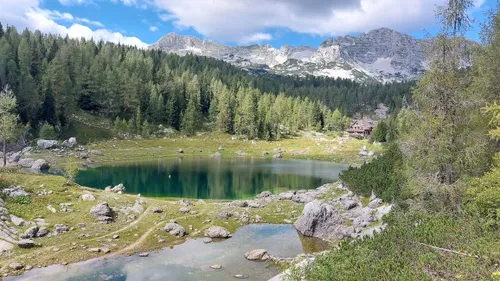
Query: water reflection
190, 261
209, 178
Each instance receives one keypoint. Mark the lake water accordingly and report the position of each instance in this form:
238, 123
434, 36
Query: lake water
190, 261
212, 178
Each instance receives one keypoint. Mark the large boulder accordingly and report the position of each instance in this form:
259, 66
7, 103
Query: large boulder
321, 220
69, 143
60, 228
26, 162
17, 221
174, 229
102, 212
40, 165
257, 255
47, 144
88, 197
14, 157
217, 232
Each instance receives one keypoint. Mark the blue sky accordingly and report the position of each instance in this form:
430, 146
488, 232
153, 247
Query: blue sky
233, 22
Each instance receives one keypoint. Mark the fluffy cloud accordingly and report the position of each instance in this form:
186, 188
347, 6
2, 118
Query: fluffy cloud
243, 20
153, 28
27, 14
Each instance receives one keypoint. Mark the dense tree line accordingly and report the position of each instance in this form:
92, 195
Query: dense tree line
54, 77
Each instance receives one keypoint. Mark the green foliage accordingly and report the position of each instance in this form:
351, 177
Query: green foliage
22, 199
403, 252
380, 132
48, 132
383, 176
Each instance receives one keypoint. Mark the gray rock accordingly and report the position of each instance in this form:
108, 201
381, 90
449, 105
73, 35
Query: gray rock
183, 202
180, 150
375, 203
224, 215
5, 246
286, 195
40, 165
16, 266
157, 210
102, 212
27, 149
174, 229
320, 220
60, 228
15, 191
217, 232
239, 203
26, 243
350, 204
88, 197
26, 162
257, 255
42, 232
302, 198
118, 188
184, 210
17, 221
96, 152
69, 143
47, 144
83, 155
240, 152
14, 157
264, 194
144, 255
30, 232
207, 240
278, 155
265, 153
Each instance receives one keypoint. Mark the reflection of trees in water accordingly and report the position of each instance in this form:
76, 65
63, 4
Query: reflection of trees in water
198, 178
312, 245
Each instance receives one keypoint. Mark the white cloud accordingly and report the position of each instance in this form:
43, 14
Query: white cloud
27, 14
240, 20
153, 28
73, 2
256, 38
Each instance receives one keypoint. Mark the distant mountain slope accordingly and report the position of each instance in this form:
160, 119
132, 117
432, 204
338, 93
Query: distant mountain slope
382, 55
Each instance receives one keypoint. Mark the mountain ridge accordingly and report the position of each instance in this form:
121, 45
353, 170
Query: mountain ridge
383, 55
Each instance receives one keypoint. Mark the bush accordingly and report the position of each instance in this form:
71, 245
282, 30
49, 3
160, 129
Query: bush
404, 251
22, 199
383, 176
48, 132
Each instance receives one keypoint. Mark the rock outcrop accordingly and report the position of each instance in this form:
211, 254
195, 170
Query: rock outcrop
69, 143
174, 229
217, 232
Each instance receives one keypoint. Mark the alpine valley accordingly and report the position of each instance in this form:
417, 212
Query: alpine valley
382, 55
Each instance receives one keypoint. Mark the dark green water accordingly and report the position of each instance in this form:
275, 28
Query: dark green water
210, 178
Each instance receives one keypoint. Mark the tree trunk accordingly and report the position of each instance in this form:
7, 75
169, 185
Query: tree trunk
4, 154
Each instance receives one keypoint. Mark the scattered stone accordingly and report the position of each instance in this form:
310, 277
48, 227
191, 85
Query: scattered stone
116, 236
278, 155
375, 203
83, 155
17, 221
26, 243
264, 194
40, 165
240, 276
216, 266
52, 209
105, 250
207, 240
96, 152
157, 210
240, 152
16, 266
94, 250
224, 215
174, 229
258, 219
257, 255
240, 203
47, 144
69, 143
118, 188
26, 162
180, 150
5, 246
102, 212
55, 249
217, 232
144, 255
30, 232
265, 153
14, 191
60, 228
184, 210
88, 197
350, 204
183, 202
42, 232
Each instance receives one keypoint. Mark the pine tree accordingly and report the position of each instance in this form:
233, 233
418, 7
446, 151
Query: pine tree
8, 119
